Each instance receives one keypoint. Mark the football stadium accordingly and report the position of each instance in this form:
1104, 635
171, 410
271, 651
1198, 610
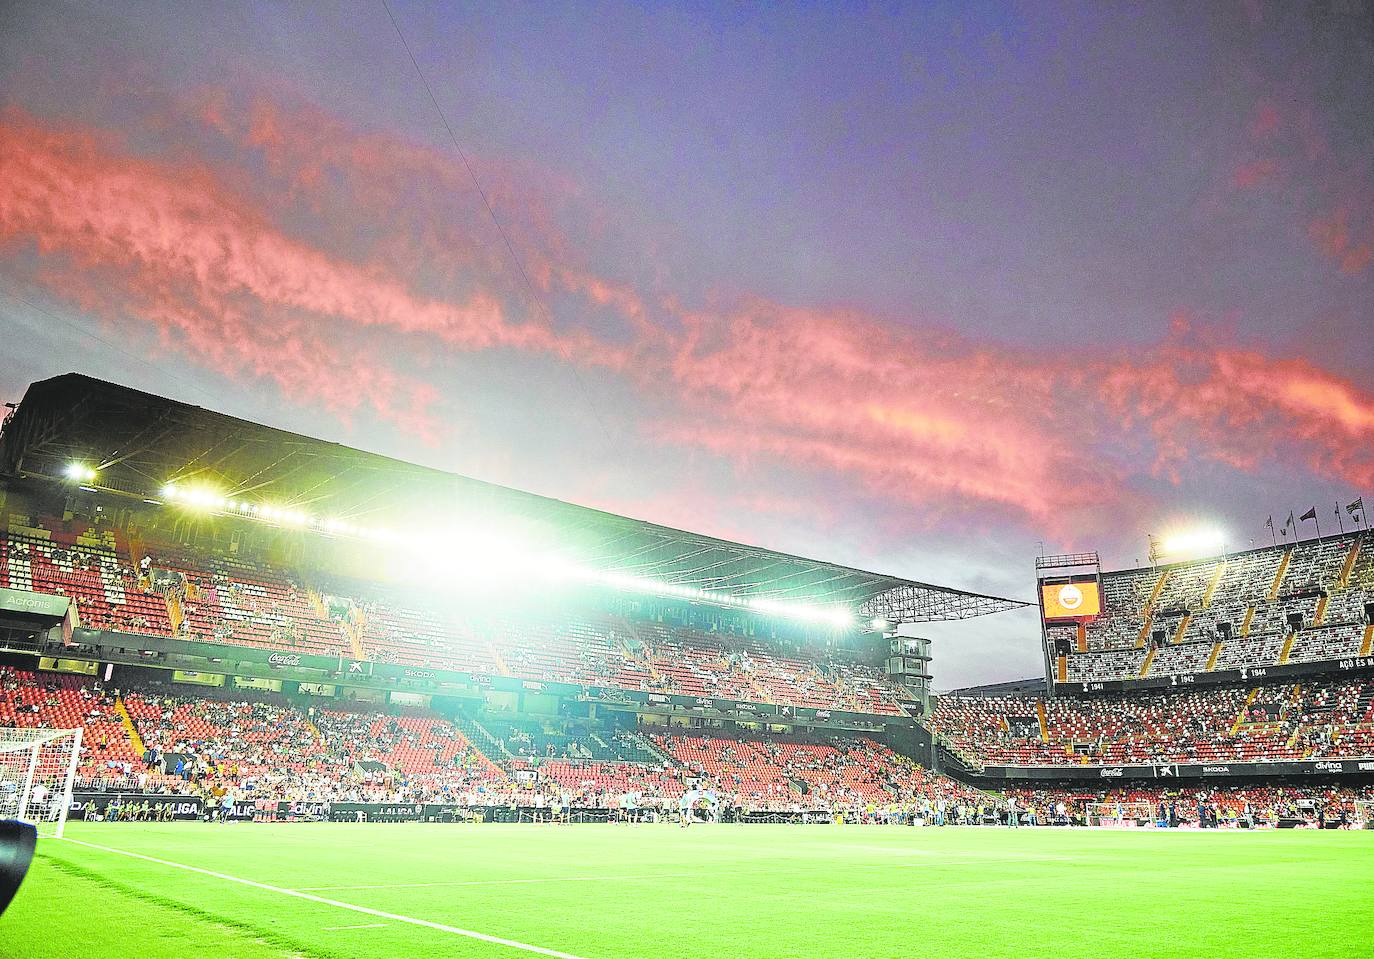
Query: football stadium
263, 698
621, 480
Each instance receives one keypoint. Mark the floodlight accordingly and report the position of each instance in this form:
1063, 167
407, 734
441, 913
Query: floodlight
496, 555
840, 617
835, 616
1201, 541
79, 472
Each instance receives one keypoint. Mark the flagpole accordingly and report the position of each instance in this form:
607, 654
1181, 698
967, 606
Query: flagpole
1339, 520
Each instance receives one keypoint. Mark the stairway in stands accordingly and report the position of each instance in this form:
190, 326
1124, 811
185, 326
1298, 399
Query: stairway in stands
123, 713
1240, 716
482, 739
1365, 701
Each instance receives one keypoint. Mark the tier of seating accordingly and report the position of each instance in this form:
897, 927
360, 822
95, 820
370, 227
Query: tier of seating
1324, 586
231, 601
1284, 722
261, 746
532, 738
84, 564
591, 783
265, 748
54, 701
227, 599
412, 744
248, 738
777, 771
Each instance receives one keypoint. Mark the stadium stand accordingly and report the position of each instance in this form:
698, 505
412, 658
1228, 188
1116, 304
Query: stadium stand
240, 603
80, 562
265, 747
1323, 585
1283, 722
1244, 807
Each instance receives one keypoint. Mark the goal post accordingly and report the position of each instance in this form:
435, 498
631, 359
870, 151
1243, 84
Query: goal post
37, 773
1122, 813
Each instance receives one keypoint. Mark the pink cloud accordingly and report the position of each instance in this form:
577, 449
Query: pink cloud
1267, 119
1331, 233
930, 418
1255, 172
224, 283
329, 165
353, 239
1289, 146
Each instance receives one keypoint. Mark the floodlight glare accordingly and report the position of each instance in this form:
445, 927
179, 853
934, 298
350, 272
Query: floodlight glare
839, 617
494, 555
79, 472
1202, 541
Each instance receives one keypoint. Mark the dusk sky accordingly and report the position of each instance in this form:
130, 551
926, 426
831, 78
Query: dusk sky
914, 288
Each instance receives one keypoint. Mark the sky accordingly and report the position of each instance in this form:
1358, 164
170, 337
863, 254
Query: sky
925, 289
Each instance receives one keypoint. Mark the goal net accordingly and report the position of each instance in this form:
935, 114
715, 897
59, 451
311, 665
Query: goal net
1364, 813
37, 770
1121, 813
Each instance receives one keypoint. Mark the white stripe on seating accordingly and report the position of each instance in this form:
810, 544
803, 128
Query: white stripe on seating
453, 930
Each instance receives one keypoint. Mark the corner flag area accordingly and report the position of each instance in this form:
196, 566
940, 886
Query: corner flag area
622, 892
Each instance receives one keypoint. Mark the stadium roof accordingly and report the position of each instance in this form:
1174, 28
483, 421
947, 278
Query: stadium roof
137, 444
1031, 686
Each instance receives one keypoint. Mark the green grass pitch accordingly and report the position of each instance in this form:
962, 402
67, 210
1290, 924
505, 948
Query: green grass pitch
659, 892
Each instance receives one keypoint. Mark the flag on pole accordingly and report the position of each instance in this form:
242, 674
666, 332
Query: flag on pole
1356, 509
1290, 524
1312, 515
1269, 522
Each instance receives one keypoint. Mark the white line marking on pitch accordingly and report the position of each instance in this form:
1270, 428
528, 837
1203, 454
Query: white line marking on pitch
507, 882
454, 930
365, 925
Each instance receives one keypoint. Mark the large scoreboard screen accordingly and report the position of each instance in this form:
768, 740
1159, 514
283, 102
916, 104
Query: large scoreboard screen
1077, 599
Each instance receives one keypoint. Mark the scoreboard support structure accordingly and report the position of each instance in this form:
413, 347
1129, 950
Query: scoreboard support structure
1069, 591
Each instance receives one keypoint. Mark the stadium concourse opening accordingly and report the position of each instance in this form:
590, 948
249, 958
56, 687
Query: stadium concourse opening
216, 632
